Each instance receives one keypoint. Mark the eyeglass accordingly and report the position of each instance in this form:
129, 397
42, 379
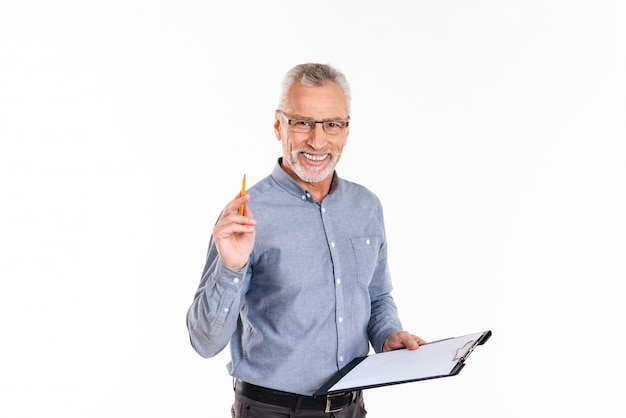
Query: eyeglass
331, 127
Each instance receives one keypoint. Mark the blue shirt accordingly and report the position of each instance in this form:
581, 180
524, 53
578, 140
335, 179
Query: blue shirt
314, 294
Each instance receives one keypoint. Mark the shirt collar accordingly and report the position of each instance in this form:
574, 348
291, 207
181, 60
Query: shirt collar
285, 181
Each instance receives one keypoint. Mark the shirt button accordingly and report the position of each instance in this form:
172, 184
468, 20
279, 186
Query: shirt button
236, 280
226, 310
340, 358
303, 197
367, 242
323, 210
308, 195
340, 319
338, 281
332, 244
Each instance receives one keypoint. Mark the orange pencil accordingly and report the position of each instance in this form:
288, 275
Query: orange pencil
243, 192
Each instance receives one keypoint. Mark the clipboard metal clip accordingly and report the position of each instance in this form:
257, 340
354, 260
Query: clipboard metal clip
464, 351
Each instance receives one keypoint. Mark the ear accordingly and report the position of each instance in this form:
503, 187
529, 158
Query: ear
277, 125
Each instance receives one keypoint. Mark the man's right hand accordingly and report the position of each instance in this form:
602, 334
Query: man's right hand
234, 234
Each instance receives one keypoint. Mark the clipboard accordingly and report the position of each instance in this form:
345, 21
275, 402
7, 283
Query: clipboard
442, 358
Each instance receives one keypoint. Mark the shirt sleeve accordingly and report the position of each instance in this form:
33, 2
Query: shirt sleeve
384, 318
212, 317
383, 321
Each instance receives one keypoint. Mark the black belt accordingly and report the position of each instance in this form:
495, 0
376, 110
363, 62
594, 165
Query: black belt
330, 403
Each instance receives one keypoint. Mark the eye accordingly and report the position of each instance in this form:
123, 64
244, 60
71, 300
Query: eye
301, 123
335, 125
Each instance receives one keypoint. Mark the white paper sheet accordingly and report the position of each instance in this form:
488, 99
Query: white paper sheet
430, 360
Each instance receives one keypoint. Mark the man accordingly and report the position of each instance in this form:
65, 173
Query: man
299, 284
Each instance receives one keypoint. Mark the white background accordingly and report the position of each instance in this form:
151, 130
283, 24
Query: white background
492, 131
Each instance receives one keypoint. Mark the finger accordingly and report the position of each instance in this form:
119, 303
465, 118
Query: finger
233, 224
236, 203
409, 341
232, 209
232, 229
395, 341
419, 340
242, 201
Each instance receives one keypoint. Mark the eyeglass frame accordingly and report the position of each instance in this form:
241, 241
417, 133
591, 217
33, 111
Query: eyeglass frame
323, 122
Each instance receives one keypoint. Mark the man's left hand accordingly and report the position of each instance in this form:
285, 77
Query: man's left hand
402, 339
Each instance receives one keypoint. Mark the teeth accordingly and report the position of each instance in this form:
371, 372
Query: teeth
315, 157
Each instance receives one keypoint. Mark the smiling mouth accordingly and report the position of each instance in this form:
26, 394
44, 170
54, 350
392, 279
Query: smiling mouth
312, 157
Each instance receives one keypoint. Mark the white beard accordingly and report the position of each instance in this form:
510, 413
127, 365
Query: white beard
312, 177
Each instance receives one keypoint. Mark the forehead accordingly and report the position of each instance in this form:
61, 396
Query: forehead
326, 101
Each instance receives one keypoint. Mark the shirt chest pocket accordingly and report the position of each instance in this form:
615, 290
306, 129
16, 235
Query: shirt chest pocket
366, 257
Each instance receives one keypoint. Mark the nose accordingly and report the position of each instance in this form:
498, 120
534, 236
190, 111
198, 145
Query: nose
317, 138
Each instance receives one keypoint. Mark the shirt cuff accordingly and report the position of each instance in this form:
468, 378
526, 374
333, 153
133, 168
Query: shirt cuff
233, 279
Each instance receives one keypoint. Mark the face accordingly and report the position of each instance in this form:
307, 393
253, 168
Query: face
311, 157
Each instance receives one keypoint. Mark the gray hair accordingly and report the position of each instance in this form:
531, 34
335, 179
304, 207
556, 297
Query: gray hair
314, 75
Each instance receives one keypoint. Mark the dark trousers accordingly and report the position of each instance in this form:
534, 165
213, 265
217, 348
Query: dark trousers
248, 408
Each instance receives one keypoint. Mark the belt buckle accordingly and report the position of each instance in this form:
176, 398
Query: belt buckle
329, 399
